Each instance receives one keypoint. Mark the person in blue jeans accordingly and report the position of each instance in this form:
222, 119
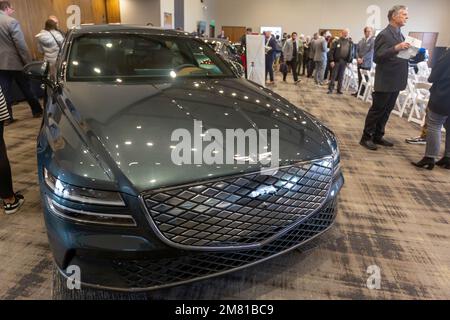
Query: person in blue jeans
438, 116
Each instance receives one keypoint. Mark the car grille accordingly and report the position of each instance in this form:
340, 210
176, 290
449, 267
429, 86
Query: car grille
241, 211
153, 274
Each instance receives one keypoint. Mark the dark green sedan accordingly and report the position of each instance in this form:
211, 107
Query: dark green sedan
159, 165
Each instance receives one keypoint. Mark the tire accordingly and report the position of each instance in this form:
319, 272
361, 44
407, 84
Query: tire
60, 291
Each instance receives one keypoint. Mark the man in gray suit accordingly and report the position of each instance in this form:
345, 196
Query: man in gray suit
364, 54
290, 54
14, 55
320, 48
391, 77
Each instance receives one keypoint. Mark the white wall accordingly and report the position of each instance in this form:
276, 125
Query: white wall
194, 11
308, 16
140, 12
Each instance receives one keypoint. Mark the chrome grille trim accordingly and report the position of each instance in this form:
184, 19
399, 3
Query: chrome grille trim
184, 191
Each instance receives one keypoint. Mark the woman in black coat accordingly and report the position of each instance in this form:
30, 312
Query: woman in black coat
438, 115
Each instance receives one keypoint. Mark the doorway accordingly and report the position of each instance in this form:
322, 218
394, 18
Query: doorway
234, 33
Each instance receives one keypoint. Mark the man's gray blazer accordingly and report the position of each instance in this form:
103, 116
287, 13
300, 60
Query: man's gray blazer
320, 49
365, 51
288, 49
14, 53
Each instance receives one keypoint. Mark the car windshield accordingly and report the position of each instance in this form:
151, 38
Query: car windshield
141, 57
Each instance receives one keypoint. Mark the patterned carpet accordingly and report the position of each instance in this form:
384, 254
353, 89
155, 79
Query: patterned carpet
392, 215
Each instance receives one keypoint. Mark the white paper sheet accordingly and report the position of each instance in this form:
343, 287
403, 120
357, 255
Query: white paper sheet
416, 44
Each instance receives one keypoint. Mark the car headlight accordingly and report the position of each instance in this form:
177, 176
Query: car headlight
88, 217
333, 143
82, 195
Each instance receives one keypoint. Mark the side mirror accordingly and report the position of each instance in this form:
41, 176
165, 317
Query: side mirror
37, 70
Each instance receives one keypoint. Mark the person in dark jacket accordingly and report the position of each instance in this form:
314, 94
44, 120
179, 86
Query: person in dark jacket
271, 47
341, 54
14, 55
11, 201
243, 40
438, 115
391, 77
306, 49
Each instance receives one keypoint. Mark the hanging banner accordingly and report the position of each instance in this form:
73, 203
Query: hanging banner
256, 59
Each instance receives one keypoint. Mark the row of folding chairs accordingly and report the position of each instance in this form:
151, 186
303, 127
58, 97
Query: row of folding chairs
413, 101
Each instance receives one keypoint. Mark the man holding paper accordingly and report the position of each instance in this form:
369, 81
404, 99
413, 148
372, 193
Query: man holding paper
391, 77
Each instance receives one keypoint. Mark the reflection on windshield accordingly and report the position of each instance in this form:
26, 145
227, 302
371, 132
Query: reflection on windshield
98, 57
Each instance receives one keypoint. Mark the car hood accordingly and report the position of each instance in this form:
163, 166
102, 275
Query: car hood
134, 123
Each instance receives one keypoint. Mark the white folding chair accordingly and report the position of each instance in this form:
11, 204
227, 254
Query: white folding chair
420, 103
351, 77
405, 99
365, 74
370, 87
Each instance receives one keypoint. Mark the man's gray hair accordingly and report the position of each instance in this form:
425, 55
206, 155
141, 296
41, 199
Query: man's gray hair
395, 10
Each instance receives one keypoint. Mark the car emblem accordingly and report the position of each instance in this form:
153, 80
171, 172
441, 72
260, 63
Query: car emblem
263, 191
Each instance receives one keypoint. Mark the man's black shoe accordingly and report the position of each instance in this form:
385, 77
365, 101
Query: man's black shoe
368, 144
355, 95
37, 115
330, 92
340, 92
383, 142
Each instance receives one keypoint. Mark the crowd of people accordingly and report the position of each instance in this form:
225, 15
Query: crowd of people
325, 59
321, 57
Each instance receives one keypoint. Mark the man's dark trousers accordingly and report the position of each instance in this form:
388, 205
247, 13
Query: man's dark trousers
6, 79
293, 64
378, 116
337, 74
305, 64
270, 59
299, 64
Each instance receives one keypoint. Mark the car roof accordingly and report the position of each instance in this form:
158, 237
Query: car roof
126, 28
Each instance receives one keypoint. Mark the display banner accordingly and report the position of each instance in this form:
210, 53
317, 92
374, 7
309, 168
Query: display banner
256, 59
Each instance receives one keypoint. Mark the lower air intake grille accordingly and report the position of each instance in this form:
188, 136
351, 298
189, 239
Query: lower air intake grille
152, 274
240, 211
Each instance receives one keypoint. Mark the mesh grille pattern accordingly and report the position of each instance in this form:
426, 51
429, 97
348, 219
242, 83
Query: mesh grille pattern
240, 211
151, 274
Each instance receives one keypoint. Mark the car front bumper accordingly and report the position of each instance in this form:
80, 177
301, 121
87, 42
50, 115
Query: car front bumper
136, 260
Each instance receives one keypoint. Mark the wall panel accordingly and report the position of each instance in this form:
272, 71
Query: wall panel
32, 15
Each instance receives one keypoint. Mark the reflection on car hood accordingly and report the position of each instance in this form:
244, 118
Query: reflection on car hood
135, 122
